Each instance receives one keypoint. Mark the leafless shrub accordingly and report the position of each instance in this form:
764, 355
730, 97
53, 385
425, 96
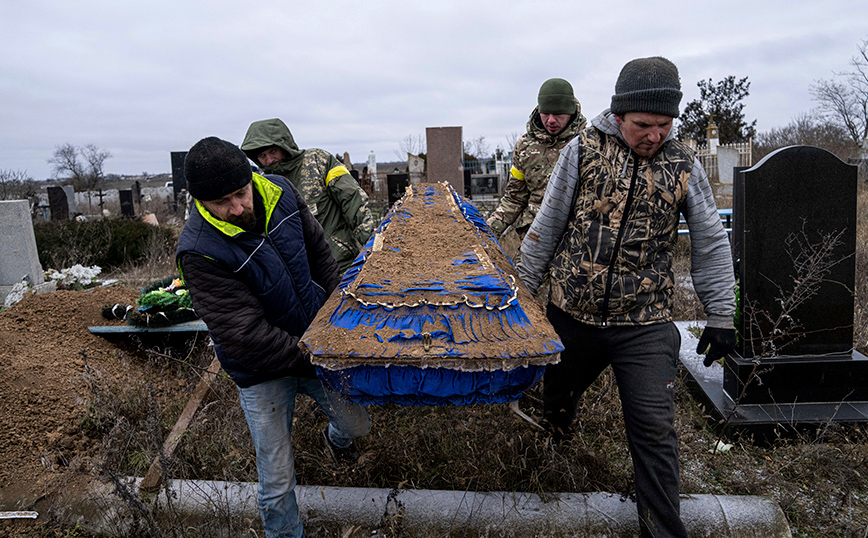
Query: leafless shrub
808, 130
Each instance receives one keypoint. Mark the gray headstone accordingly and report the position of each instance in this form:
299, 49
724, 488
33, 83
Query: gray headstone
19, 259
415, 164
445, 157
58, 203
137, 192
727, 159
70, 198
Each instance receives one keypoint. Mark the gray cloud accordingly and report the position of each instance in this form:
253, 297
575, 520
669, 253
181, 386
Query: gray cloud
142, 80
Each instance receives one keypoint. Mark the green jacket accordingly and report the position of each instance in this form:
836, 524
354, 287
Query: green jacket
332, 194
533, 160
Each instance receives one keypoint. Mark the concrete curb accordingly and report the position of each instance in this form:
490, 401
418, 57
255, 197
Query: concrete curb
427, 513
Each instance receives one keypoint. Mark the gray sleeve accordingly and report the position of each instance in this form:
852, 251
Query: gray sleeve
542, 239
711, 255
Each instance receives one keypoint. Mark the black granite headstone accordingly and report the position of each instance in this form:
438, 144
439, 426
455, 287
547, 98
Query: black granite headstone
57, 203
127, 208
179, 181
484, 184
792, 201
397, 184
788, 211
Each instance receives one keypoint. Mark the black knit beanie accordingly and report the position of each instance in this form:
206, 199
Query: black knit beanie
648, 85
556, 97
215, 168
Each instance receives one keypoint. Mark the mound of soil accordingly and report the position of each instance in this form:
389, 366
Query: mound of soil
48, 360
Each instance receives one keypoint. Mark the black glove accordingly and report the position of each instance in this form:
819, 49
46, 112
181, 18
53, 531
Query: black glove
715, 343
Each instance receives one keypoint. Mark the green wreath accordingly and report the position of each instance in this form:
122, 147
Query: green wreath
161, 303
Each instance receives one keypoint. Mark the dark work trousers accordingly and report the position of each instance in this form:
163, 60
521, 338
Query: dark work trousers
643, 359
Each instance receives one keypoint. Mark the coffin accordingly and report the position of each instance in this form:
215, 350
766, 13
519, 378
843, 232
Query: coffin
431, 313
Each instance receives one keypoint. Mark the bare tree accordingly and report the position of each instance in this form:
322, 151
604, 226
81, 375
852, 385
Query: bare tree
512, 140
17, 185
83, 166
477, 148
808, 129
66, 161
844, 100
414, 144
768, 333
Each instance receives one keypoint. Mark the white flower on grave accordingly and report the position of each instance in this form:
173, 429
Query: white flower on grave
17, 293
77, 274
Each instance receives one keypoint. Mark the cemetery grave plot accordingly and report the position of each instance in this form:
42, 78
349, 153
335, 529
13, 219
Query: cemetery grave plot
46, 356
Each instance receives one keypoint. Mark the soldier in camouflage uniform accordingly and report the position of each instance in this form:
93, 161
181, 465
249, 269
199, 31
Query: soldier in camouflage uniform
606, 235
333, 195
554, 122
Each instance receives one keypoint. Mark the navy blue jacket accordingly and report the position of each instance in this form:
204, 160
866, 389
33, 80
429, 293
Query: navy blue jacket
258, 293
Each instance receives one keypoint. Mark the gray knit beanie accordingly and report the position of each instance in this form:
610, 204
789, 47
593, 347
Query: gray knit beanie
556, 97
214, 168
648, 85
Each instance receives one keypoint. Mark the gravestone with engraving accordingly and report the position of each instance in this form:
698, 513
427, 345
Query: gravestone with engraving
484, 184
128, 210
19, 259
57, 203
416, 168
397, 186
796, 270
445, 157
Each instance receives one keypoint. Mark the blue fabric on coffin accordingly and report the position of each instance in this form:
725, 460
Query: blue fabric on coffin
431, 313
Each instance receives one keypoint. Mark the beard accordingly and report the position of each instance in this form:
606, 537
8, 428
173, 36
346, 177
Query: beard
246, 220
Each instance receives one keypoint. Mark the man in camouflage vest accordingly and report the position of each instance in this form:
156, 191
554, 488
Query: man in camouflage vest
554, 122
606, 235
332, 194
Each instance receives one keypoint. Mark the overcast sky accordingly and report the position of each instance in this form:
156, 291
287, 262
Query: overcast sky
143, 79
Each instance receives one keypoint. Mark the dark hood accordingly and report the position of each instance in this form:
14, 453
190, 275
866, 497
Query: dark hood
266, 133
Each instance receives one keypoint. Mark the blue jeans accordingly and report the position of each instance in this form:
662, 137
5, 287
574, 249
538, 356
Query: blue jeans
268, 408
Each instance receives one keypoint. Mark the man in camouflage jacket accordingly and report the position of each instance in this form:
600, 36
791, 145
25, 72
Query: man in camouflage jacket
333, 195
554, 122
606, 235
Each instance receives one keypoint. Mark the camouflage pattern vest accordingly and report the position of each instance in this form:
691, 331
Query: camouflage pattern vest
534, 158
613, 265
